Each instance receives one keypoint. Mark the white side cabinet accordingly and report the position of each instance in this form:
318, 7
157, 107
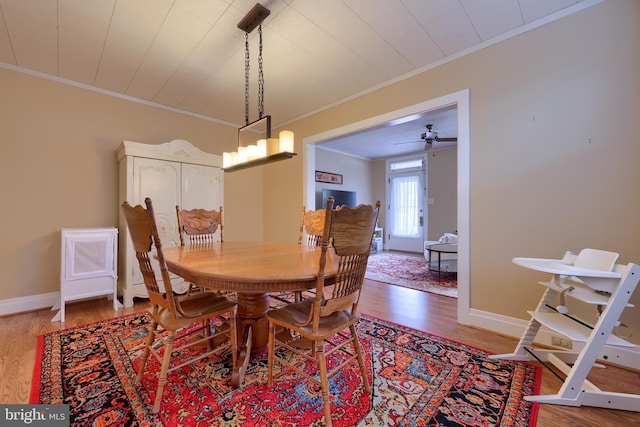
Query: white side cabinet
89, 266
170, 174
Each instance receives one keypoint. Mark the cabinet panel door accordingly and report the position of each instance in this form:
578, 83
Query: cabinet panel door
160, 181
200, 187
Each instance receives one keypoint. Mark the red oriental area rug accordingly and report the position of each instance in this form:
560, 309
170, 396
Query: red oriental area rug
417, 379
410, 271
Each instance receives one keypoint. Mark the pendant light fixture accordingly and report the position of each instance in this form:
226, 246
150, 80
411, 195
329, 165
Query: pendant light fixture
265, 149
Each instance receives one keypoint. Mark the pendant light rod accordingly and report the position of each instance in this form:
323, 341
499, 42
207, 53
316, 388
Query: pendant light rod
266, 149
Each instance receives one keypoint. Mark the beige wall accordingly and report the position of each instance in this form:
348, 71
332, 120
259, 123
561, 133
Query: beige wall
58, 168
356, 172
442, 187
379, 174
553, 141
554, 156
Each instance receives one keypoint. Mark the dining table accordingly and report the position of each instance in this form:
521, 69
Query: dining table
253, 271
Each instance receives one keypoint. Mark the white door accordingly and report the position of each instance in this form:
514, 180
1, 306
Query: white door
406, 191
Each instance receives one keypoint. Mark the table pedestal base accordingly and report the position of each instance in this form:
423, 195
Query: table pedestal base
253, 331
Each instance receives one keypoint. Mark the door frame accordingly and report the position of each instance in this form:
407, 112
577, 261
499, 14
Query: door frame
422, 171
462, 101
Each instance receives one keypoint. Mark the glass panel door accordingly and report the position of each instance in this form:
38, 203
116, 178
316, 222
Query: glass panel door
405, 193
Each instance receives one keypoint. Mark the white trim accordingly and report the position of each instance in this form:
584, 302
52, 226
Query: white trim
461, 100
112, 93
464, 206
628, 357
494, 322
29, 303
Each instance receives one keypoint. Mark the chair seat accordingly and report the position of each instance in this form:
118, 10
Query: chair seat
298, 312
201, 305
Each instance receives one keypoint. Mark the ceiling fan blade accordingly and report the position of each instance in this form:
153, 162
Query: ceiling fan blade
448, 139
408, 142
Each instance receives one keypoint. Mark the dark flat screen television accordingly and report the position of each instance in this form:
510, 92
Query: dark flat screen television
340, 197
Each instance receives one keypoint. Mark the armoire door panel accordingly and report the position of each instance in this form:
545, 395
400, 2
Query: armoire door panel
197, 182
160, 181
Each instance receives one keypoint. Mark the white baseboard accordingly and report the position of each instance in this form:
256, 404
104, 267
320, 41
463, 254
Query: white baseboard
32, 302
623, 356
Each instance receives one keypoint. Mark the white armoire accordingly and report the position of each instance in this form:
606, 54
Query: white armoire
170, 174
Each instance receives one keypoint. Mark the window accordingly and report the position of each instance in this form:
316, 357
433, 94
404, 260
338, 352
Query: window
406, 164
405, 196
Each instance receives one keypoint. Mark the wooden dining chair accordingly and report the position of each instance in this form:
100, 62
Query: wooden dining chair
199, 226
172, 318
311, 227
310, 234
333, 309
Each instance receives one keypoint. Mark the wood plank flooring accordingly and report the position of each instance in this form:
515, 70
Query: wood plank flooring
420, 310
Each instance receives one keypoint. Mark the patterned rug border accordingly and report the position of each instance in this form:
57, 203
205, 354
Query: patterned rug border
35, 384
34, 394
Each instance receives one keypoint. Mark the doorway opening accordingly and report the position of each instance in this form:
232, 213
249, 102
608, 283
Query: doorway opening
406, 190
461, 100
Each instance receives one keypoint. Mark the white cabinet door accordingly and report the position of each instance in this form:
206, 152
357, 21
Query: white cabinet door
200, 187
160, 180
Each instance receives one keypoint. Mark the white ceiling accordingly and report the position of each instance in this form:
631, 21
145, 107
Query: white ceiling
188, 55
399, 137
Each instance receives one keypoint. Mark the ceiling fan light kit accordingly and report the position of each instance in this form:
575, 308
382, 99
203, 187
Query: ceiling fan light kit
429, 137
266, 149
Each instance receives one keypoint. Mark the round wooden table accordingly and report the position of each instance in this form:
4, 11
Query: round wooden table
253, 270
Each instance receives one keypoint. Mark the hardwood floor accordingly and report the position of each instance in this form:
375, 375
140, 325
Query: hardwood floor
420, 310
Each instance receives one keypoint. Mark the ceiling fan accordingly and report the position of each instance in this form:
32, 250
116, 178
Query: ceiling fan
429, 137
